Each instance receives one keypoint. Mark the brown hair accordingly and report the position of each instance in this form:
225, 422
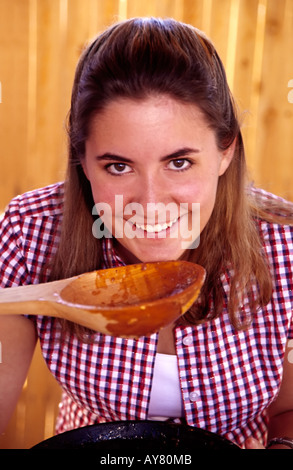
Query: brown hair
134, 59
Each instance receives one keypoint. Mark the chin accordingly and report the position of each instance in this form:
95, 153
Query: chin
153, 257
149, 254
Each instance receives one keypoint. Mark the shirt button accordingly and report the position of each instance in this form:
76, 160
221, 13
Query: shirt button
187, 340
193, 396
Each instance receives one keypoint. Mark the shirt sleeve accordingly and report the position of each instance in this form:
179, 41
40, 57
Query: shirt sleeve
13, 271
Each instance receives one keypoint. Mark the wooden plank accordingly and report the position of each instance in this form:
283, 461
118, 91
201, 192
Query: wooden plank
43, 391
231, 46
246, 43
37, 404
169, 8
193, 13
247, 74
219, 26
46, 145
142, 8
158, 8
13, 109
107, 14
274, 145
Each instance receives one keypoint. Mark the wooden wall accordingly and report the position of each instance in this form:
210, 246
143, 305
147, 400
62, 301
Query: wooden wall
40, 42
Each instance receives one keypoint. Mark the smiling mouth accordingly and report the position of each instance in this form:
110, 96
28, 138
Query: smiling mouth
157, 228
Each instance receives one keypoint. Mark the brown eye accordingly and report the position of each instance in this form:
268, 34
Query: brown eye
179, 164
118, 168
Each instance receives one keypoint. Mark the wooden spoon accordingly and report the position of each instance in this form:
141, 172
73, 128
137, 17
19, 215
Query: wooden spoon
129, 301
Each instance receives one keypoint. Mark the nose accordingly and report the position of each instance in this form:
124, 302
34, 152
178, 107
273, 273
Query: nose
152, 189
152, 197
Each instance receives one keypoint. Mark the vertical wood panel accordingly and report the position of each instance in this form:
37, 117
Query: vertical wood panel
43, 391
219, 26
37, 408
274, 148
193, 13
245, 45
141, 8
248, 69
14, 37
40, 42
169, 8
45, 157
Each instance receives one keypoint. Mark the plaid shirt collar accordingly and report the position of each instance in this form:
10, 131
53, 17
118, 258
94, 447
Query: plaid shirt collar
111, 258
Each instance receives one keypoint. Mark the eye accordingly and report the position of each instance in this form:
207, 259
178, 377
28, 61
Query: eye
179, 164
118, 168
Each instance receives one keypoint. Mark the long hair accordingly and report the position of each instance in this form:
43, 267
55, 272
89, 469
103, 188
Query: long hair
135, 59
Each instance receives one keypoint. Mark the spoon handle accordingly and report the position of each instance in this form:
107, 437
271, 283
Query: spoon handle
31, 299
26, 307
44, 299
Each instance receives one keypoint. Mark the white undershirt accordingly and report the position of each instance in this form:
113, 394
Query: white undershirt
166, 399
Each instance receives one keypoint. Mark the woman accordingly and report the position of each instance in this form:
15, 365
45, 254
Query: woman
152, 121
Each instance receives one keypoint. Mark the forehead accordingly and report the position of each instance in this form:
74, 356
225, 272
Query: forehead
151, 114
148, 130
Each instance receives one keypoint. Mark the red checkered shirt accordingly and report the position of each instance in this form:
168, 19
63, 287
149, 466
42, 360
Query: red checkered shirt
228, 378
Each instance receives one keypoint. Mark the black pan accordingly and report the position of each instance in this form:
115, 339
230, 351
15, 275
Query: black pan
143, 436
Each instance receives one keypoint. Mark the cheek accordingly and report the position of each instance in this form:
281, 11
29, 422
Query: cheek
203, 190
207, 204
102, 195
203, 193
102, 191
110, 201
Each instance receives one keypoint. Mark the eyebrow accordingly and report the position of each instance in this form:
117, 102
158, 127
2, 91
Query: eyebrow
177, 154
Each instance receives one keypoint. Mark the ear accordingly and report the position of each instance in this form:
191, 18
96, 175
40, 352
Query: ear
226, 157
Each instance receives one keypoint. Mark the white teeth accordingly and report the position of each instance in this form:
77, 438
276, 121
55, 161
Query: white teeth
156, 228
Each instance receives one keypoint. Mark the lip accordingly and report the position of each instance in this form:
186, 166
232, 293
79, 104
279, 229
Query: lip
156, 231
156, 228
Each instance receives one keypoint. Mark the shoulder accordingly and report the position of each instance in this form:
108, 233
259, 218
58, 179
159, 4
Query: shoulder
266, 196
29, 230
270, 206
47, 201
272, 213
273, 217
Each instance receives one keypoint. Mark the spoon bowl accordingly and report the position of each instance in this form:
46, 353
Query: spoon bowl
128, 301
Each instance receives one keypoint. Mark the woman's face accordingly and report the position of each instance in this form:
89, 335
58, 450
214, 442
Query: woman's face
151, 163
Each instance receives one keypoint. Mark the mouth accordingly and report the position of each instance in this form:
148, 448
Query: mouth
156, 228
